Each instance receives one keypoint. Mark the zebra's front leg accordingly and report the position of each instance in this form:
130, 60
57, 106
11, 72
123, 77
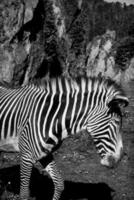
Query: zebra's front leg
25, 174
54, 173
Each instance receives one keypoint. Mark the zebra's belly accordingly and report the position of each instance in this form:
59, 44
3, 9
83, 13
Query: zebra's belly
9, 145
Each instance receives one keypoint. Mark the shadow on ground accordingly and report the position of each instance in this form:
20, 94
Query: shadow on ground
42, 187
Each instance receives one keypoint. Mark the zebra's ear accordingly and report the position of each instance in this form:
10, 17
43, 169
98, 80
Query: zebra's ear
121, 101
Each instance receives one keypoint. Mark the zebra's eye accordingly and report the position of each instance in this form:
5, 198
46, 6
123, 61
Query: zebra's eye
115, 110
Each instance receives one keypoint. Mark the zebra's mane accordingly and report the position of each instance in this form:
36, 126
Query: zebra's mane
75, 83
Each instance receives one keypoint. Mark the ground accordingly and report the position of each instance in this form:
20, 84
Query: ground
80, 166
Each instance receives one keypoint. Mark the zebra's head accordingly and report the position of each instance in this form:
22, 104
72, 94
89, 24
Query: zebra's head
104, 126
113, 150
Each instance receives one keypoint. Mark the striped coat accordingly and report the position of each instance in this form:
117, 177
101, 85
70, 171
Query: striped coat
35, 119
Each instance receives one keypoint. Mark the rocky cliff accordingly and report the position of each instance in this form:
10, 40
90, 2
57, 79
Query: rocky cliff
47, 38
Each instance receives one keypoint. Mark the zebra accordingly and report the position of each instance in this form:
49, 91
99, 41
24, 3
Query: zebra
34, 120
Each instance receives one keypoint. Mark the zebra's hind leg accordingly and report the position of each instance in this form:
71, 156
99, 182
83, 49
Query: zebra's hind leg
25, 174
54, 173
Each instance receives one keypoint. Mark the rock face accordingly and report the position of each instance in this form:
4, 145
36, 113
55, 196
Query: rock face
42, 38
14, 51
100, 55
11, 20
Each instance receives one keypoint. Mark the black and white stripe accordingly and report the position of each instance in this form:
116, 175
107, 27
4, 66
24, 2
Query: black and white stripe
34, 120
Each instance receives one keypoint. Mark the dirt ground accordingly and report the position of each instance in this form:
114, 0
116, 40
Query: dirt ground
80, 166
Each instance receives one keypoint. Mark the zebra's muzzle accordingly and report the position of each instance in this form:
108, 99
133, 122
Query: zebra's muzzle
111, 160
